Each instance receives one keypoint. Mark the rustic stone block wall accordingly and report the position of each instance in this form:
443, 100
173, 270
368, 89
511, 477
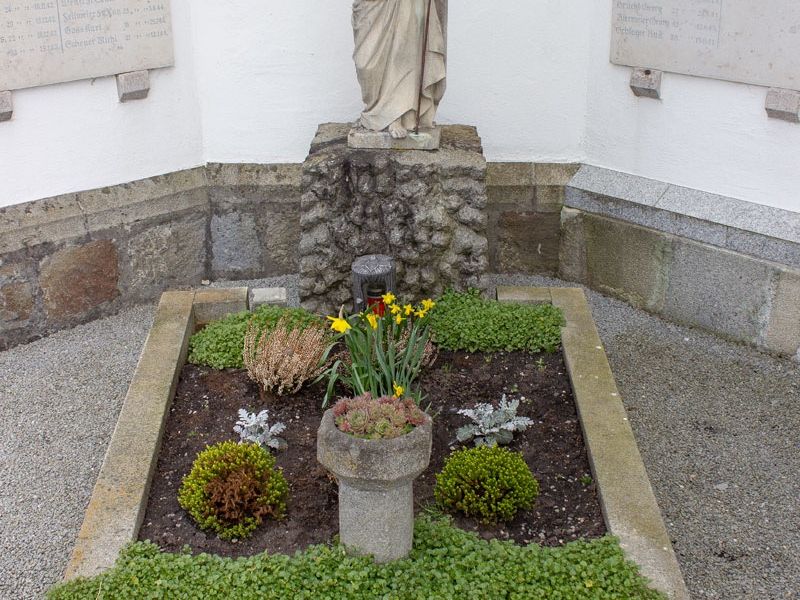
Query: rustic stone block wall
72, 258
716, 263
255, 220
525, 201
425, 209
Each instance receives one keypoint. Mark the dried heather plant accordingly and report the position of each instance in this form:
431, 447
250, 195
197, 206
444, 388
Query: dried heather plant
285, 358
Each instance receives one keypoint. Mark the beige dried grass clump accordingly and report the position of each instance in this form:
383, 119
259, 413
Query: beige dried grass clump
285, 358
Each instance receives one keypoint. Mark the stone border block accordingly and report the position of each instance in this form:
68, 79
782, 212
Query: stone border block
646, 83
211, 304
6, 106
629, 505
119, 499
524, 294
269, 296
783, 330
133, 86
783, 104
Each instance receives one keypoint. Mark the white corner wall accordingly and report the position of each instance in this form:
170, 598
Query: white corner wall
704, 134
254, 78
78, 136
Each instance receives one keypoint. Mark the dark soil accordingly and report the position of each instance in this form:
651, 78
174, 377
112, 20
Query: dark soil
205, 410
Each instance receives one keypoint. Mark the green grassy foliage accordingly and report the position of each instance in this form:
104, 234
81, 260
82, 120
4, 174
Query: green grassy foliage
487, 482
466, 321
220, 344
446, 564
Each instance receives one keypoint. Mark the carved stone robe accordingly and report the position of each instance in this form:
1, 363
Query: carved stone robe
388, 55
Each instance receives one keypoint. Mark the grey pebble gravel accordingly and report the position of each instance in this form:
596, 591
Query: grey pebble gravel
717, 425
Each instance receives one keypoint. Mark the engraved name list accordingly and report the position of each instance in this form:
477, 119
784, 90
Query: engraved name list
51, 41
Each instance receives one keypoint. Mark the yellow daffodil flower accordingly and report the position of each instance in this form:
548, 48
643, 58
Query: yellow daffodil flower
339, 324
398, 390
428, 304
389, 298
408, 309
372, 318
421, 314
395, 310
399, 319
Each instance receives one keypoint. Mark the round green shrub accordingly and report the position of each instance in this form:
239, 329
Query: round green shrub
490, 483
231, 489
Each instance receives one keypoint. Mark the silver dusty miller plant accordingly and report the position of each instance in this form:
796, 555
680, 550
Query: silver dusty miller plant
255, 428
492, 426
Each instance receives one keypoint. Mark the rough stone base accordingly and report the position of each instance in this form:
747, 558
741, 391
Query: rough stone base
425, 209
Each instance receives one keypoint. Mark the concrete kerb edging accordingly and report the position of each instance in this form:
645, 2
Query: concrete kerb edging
116, 508
629, 505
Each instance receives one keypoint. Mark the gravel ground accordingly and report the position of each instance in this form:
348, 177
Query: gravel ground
716, 424
59, 401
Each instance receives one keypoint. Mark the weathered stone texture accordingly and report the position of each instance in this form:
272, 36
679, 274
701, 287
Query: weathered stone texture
783, 331
77, 279
718, 290
255, 222
528, 242
16, 303
425, 209
172, 253
626, 261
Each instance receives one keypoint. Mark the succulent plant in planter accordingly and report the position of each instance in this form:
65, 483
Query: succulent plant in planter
376, 448
377, 418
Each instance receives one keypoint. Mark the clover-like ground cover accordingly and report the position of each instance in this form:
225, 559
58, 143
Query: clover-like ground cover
446, 563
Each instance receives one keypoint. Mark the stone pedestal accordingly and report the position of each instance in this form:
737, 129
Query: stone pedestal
426, 209
376, 501
426, 139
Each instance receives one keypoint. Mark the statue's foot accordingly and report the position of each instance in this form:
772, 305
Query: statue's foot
397, 131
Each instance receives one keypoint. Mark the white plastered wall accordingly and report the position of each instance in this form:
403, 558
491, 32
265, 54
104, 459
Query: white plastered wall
78, 136
705, 134
253, 78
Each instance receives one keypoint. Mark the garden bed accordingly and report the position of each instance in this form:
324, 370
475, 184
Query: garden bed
443, 560
204, 411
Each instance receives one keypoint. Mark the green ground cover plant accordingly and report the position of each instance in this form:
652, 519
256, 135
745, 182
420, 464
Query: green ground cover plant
221, 344
446, 564
467, 321
487, 482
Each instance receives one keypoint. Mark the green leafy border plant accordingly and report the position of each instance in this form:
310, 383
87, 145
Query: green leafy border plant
446, 563
466, 321
221, 344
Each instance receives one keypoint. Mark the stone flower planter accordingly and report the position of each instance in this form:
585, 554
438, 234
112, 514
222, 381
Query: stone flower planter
376, 503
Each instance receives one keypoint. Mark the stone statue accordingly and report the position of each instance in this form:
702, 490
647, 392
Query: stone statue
389, 39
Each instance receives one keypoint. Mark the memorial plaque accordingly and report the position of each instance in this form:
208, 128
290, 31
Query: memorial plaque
50, 41
750, 41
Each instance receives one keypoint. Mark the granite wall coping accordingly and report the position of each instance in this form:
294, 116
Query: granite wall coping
746, 227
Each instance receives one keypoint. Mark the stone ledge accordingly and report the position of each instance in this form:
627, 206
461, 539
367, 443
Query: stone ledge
760, 231
72, 216
119, 499
629, 505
